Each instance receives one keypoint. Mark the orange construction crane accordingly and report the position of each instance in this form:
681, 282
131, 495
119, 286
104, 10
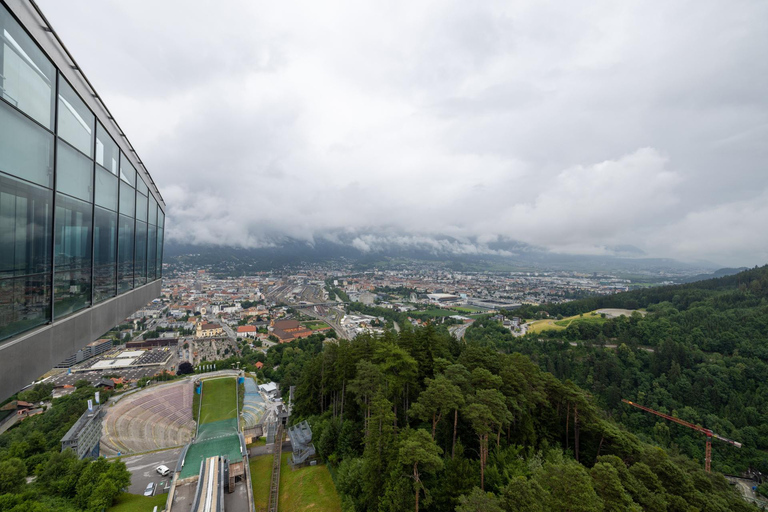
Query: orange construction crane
697, 428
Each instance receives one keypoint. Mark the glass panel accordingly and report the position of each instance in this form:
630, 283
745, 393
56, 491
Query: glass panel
127, 170
140, 258
152, 211
74, 173
125, 254
75, 119
26, 76
72, 253
106, 189
160, 217
25, 302
127, 200
107, 154
25, 228
26, 150
141, 207
141, 186
159, 252
104, 254
151, 252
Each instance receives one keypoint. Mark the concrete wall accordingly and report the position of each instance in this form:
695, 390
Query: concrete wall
29, 355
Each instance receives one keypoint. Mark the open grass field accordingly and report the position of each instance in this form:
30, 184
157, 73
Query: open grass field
219, 396
262, 441
590, 318
468, 309
316, 325
552, 324
135, 503
261, 476
542, 325
309, 488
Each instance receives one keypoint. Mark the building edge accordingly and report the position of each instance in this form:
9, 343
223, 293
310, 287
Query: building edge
44, 347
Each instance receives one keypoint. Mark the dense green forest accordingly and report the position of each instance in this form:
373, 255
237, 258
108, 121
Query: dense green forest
58, 481
421, 421
700, 353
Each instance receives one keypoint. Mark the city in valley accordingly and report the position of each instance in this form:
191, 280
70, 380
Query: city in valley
383, 256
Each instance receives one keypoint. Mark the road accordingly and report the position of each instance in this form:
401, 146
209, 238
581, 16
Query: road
143, 469
228, 330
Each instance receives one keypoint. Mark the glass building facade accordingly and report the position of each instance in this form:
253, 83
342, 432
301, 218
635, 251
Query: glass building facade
79, 224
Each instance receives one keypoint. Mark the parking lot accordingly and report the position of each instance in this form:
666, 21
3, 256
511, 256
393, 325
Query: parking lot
143, 469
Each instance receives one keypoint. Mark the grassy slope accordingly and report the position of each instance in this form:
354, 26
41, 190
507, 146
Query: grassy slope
135, 503
309, 488
552, 324
261, 476
218, 400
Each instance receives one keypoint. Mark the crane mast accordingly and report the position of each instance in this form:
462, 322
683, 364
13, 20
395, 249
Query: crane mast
707, 432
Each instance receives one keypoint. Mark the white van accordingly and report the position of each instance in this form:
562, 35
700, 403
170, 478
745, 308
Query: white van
163, 470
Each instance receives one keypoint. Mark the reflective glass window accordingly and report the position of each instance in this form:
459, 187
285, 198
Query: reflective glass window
127, 200
27, 78
75, 123
140, 257
141, 207
127, 170
25, 228
160, 217
104, 254
152, 211
106, 189
74, 172
159, 252
72, 256
141, 186
125, 254
25, 304
26, 150
151, 251
107, 154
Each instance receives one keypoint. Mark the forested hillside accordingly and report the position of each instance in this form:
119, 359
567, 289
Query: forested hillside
420, 421
58, 481
701, 353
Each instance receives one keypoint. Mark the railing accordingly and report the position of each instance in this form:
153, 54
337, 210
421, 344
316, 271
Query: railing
274, 490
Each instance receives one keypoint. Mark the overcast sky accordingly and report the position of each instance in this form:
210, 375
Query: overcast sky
577, 126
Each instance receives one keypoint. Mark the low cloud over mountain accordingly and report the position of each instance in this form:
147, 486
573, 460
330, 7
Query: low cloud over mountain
570, 127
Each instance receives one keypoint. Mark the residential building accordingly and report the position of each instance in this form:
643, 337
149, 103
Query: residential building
84, 436
247, 331
90, 350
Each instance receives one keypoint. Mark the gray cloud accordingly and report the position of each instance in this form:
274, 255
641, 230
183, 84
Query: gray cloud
566, 126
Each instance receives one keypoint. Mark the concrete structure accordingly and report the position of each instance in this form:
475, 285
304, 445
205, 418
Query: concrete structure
81, 220
301, 443
90, 350
85, 434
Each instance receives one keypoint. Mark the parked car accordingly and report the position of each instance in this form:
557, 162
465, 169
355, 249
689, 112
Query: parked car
150, 490
164, 470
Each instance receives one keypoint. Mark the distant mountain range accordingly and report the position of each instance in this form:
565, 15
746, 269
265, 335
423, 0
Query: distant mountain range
722, 272
389, 251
